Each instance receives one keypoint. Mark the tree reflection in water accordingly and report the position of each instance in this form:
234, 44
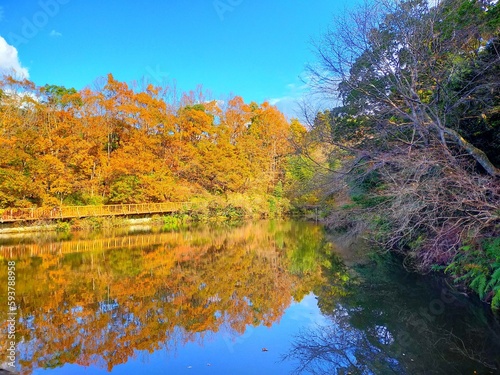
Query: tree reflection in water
100, 307
154, 291
389, 322
338, 348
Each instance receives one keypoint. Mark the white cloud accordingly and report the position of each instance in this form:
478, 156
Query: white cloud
300, 102
55, 34
290, 103
9, 61
274, 101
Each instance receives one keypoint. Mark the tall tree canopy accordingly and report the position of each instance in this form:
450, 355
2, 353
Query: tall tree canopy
119, 144
412, 69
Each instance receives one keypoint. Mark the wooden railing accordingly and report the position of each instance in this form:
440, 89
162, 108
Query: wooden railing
140, 241
67, 247
68, 212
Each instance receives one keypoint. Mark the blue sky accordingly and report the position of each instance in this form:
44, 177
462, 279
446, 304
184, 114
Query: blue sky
253, 48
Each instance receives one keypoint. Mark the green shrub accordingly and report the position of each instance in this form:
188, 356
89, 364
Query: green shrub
172, 223
367, 201
97, 223
479, 268
63, 226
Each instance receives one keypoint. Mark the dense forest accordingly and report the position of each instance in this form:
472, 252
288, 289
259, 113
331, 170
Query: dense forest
119, 143
411, 151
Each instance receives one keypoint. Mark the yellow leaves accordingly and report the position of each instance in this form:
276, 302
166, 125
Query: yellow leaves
182, 283
425, 95
74, 146
194, 124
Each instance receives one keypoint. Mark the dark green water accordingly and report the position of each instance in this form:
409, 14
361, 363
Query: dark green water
261, 298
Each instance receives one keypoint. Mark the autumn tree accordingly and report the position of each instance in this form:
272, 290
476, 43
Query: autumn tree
117, 143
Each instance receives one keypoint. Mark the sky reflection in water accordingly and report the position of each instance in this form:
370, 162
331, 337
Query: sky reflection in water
208, 300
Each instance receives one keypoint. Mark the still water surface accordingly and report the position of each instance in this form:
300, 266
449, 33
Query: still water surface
260, 298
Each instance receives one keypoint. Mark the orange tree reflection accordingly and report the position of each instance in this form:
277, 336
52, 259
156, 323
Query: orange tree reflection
100, 307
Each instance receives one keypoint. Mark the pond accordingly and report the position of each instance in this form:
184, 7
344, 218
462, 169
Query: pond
258, 298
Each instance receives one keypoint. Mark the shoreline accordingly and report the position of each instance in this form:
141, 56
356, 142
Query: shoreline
52, 227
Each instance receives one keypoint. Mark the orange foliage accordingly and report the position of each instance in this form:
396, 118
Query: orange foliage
98, 307
116, 144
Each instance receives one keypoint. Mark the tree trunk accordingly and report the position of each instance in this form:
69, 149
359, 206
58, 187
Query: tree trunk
473, 151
